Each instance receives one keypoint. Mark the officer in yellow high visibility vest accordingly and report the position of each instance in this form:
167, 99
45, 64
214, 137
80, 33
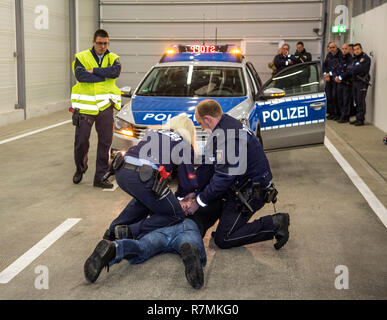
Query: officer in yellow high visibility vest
93, 98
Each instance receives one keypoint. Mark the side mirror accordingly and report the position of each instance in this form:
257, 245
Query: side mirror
271, 93
126, 92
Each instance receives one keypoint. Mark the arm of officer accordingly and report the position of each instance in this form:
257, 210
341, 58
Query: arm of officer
83, 76
278, 62
362, 67
187, 181
111, 72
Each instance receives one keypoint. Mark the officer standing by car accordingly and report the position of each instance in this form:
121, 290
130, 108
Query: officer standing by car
344, 84
361, 80
301, 55
283, 59
331, 68
245, 183
93, 98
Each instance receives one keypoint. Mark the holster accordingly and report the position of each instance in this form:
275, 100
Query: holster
145, 173
117, 163
160, 186
76, 117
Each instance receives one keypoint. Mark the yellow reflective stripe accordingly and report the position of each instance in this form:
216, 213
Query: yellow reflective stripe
83, 97
84, 106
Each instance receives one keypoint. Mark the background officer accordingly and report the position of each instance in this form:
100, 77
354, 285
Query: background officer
331, 69
93, 98
344, 85
283, 59
301, 55
361, 80
233, 228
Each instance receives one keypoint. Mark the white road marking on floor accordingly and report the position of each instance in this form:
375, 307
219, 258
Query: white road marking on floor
115, 186
33, 132
21, 263
368, 195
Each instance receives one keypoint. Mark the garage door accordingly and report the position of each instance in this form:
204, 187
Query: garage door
140, 31
8, 89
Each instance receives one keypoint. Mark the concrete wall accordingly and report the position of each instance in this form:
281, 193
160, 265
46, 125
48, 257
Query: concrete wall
368, 29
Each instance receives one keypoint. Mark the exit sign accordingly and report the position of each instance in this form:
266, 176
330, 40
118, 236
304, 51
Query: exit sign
339, 29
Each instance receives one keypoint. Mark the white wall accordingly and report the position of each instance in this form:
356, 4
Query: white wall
370, 30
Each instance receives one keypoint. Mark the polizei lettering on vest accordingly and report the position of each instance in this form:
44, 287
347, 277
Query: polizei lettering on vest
164, 310
286, 114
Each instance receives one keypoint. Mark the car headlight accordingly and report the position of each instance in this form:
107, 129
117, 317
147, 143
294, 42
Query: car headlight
123, 127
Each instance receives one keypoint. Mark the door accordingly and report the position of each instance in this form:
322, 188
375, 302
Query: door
298, 118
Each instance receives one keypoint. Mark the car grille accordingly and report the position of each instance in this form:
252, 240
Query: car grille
139, 131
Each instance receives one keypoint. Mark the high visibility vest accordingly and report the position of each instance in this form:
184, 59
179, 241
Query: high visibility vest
91, 98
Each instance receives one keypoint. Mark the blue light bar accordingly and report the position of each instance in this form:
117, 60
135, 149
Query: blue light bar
189, 56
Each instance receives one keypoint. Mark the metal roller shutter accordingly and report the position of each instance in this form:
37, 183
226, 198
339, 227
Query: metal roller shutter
141, 30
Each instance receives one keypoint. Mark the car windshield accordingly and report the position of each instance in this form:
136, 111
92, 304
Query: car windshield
189, 81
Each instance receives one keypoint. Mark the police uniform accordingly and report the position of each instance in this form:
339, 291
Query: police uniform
302, 56
222, 176
282, 61
164, 211
359, 70
344, 88
331, 66
95, 95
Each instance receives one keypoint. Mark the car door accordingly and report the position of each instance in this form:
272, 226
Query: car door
298, 117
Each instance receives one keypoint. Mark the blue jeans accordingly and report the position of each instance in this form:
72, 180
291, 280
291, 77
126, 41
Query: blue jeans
165, 212
163, 240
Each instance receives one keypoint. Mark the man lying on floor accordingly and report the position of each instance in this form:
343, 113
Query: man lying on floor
185, 239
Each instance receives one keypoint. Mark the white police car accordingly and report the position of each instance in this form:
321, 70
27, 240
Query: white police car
287, 111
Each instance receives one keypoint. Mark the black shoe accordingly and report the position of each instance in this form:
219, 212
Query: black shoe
77, 178
336, 118
104, 252
108, 235
281, 224
103, 184
359, 123
343, 121
330, 117
123, 232
193, 267
352, 122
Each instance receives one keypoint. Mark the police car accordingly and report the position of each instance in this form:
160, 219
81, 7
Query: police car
287, 111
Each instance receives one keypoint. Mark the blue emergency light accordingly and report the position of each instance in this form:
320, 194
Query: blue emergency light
225, 53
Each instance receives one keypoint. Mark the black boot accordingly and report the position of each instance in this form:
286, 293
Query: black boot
108, 235
123, 232
104, 252
193, 267
281, 223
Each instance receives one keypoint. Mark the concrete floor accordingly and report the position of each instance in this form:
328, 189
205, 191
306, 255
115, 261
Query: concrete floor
331, 225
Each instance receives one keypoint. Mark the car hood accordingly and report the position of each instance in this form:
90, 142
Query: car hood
156, 110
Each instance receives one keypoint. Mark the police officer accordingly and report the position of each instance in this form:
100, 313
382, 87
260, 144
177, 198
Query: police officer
331, 68
245, 182
344, 84
301, 55
283, 59
361, 80
171, 148
93, 98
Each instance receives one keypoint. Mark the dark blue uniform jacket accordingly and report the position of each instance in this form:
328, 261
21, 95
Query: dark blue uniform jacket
99, 74
281, 61
167, 148
361, 65
345, 64
331, 64
229, 140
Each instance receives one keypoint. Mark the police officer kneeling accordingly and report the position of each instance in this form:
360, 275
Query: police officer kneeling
244, 182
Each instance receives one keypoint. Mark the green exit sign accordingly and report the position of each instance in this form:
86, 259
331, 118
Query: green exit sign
339, 29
